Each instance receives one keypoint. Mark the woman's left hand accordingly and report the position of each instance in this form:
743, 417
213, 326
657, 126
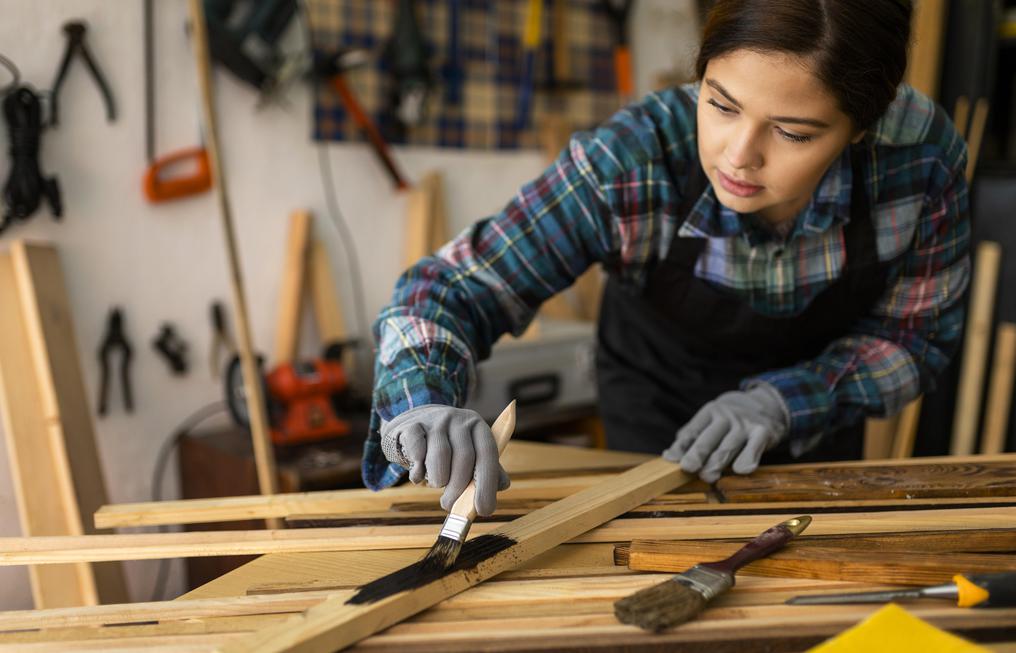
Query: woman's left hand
741, 424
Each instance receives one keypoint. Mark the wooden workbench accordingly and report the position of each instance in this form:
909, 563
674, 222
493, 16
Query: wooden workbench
563, 599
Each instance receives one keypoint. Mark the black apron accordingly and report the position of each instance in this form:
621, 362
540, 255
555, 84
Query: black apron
669, 348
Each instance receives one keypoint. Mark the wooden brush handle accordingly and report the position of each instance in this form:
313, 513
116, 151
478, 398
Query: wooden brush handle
503, 428
769, 541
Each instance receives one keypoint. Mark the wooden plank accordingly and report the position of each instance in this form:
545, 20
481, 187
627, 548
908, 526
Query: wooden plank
149, 546
878, 436
331, 323
975, 347
806, 560
287, 329
53, 343
128, 613
934, 471
970, 541
531, 458
40, 471
926, 53
875, 482
335, 623
996, 419
906, 430
264, 455
194, 511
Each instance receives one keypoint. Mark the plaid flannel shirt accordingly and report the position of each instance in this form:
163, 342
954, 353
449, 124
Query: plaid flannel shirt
611, 198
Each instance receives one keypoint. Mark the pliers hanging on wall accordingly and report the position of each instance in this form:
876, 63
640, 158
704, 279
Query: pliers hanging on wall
75, 32
115, 339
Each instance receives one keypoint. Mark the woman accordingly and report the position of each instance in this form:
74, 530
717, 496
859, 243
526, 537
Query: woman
787, 249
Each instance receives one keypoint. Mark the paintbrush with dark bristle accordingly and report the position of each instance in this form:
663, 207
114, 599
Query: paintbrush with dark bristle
681, 598
453, 533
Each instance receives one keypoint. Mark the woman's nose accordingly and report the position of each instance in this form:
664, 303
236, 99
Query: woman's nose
742, 151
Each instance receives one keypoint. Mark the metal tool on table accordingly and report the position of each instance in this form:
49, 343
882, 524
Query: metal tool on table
163, 179
968, 590
173, 349
333, 69
26, 186
619, 12
115, 339
304, 399
75, 32
222, 340
681, 598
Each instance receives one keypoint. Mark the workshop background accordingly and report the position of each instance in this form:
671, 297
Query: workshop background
165, 262
300, 149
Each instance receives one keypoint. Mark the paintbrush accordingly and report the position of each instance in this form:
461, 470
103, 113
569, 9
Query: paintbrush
456, 525
682, 597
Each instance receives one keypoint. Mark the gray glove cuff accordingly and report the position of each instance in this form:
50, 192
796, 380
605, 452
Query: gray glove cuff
767, 395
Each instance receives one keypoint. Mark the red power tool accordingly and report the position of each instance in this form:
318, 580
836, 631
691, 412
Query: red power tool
301, 400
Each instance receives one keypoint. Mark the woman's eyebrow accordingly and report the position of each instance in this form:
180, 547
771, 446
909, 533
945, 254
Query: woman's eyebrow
788, 119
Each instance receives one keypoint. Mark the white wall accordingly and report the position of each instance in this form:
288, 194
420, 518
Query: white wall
167, 262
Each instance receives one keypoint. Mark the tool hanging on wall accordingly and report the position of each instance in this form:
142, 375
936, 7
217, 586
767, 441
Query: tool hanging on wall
453, 71
26, 187
243, 36
406, 56
75, 32
334, 69
173, 349
115, 338
222, 341
159, 183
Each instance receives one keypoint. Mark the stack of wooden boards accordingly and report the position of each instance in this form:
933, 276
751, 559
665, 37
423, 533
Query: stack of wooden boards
875, 524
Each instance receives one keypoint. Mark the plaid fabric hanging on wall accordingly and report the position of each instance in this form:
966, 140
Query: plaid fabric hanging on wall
482, 109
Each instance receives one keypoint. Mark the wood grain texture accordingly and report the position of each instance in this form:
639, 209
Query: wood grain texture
804, 560
946, 479
148, 546
335, 624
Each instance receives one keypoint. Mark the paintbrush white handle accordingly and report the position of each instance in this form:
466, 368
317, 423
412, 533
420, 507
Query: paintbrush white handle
502, 428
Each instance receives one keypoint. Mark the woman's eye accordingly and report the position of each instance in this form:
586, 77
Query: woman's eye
721, 108
796, 138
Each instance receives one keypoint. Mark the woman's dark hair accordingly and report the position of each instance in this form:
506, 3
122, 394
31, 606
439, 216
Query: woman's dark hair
858, 47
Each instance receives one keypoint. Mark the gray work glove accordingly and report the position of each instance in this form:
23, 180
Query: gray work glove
447, 447
741, 424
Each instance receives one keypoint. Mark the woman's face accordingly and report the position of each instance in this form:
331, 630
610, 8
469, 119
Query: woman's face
767, 132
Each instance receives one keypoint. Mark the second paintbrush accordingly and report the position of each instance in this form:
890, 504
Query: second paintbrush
682, 597
460, 518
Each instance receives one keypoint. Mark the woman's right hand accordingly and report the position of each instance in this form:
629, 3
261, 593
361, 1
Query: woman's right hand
447, 447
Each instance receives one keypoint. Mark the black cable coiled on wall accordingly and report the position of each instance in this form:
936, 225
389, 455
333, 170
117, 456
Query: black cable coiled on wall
25, 185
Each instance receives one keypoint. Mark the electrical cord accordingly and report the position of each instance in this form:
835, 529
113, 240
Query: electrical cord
161, 461
331, 201
26, 187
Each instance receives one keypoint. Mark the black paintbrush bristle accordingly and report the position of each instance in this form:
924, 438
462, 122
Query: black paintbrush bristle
441, 557
665, 605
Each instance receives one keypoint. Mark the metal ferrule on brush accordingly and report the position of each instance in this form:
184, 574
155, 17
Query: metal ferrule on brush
707, 582
455, 528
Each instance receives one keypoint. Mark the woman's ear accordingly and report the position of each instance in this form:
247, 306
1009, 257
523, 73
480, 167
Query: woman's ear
858, 137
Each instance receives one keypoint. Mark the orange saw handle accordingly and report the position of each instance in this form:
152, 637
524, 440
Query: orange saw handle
160, 186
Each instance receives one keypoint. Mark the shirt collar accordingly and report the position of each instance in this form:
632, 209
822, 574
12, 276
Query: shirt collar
830, 205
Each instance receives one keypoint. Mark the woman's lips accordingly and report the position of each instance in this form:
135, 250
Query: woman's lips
737, 188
